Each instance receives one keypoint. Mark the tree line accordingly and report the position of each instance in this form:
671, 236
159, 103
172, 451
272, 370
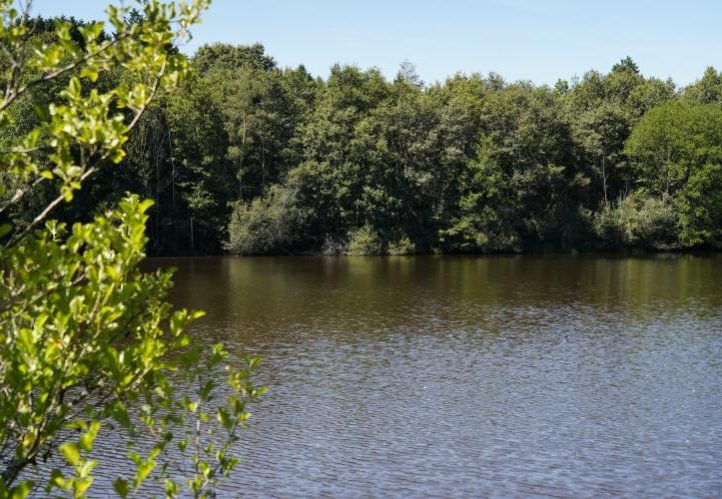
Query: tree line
252, 158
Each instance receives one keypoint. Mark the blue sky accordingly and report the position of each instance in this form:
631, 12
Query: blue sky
538, 40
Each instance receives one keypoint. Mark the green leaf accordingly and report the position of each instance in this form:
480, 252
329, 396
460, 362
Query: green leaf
82, 485
144, 470
57, 479
121, 487
21, 490
71, 453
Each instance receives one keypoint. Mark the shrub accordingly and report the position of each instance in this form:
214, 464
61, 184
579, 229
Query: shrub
265, 225
87, 339
364, 241
403, 246
332, 247
638, 222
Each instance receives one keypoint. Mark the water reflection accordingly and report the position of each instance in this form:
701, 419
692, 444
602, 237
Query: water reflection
507, 376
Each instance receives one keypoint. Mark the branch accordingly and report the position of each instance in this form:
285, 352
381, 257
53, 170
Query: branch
55, 202
20, 194
13, 94
18, 49
50, 207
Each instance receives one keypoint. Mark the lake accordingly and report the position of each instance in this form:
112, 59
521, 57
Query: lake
467, 376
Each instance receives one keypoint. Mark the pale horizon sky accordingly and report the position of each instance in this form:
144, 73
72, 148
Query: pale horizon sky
541, 40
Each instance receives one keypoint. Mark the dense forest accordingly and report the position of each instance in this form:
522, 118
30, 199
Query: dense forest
252, 158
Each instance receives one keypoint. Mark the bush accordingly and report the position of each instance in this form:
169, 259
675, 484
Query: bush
88, 341
265, 225
404, 246
638, 222
364, 241
332, 247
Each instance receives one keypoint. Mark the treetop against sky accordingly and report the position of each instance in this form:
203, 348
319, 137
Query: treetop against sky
537, 40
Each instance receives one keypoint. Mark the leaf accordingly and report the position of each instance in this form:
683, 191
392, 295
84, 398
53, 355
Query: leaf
56, 480
207, 388
86, 440
144, 470
121, 487
71, 453
82, 485
21, 490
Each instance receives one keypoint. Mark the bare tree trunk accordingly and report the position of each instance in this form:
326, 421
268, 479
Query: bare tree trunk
263, 164
239, 174
604, 180
172, 162
193, 246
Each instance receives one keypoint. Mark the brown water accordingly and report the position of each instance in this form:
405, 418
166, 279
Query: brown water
505, 376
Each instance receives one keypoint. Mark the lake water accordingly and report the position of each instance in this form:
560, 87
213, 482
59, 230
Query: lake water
463, 376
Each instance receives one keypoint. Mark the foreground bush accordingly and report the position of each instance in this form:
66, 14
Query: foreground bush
87, 340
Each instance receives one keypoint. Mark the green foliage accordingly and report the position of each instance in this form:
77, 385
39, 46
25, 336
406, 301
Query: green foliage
700, 207
677, 150
87, 340
487, 216
638, 222
232, 57
86, 126
672, 141
600, 133
265, 225
474, 164
257, 159
364, 241
706, 90
401, 247
225, 136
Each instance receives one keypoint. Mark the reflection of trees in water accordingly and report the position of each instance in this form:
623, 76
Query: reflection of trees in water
250, 298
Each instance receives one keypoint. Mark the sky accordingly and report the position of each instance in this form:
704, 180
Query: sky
537, 40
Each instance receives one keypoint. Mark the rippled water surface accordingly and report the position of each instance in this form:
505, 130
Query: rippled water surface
505, 376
